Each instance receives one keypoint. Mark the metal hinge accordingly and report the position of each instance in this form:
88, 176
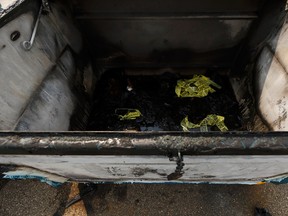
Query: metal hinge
179, 167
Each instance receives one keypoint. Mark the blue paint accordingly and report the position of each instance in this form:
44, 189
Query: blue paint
282, 180
40, 178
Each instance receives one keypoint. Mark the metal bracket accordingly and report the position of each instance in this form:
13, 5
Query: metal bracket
27, 45
179, 167
46, 6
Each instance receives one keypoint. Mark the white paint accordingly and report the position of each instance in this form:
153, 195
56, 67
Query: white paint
53, 103
272, 91
22, 72
124, 168
26, 171
6, 3
279, 45
271, 81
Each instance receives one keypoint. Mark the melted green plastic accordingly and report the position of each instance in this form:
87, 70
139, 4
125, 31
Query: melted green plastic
131, 114
210, 120
198, 86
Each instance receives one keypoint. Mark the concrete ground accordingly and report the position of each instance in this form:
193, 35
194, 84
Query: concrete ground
34, 198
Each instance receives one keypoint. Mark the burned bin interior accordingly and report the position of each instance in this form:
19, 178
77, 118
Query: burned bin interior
118, 96
124, 66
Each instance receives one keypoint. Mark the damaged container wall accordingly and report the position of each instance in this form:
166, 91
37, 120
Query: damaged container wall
271, 81
261, 80
166, 43
35, 94
170, 33
173, 37
159, 107
40, 85
128, 169
122, 84
53, 102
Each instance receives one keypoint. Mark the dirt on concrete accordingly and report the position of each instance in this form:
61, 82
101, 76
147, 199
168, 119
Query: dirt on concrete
31, 197
35, 198
199, 200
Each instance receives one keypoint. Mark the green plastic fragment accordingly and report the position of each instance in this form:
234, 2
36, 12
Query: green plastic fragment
210, 120
198, 86
131, 114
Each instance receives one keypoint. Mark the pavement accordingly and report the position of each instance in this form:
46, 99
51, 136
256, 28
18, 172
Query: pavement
31, 197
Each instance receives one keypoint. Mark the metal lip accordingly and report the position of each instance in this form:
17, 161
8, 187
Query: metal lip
143, 143
97, 15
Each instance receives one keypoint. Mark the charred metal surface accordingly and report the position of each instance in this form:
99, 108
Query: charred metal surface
156, 16
169, 41
138, 171
165, 32
154, 143
162, 6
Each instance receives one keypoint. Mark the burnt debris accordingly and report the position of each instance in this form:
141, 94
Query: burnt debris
161, 109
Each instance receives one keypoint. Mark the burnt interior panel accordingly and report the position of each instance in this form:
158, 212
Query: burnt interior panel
164, 6
168, 41
190, 33
168, 36
134, 53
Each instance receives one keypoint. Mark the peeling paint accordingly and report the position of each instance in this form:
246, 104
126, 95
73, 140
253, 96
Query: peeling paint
28, 173
278, 179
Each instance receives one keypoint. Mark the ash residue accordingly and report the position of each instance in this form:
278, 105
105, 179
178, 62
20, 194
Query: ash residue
155, 97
